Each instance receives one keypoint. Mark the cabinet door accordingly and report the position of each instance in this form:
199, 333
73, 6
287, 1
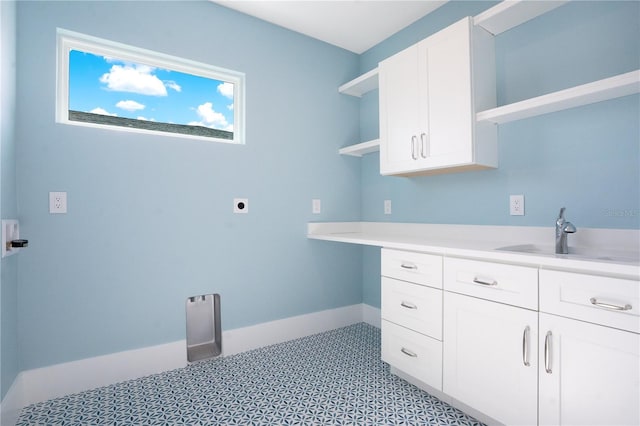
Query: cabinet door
451, 115
593, 375
402, 95
490, 360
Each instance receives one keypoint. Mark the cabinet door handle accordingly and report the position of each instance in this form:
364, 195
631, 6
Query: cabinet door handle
525, 347
425, 148
547, 352
414, 141
409, 353
408, 305
595, 302
408, 265
485, 282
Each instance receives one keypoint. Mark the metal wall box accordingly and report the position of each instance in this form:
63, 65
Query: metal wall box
204, 331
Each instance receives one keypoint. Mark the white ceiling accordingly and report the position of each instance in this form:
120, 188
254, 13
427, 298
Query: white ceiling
353, 25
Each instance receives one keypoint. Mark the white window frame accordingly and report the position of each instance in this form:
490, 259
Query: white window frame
70, 40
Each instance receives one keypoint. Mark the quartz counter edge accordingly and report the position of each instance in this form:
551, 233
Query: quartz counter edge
482, 241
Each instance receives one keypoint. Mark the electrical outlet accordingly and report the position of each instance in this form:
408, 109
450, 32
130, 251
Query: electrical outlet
316, 206
241, 205
516, 205
387, 206
58, 202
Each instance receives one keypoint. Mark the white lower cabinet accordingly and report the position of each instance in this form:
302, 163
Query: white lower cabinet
412, 314
589, 374
413, 353
519, 344
490, 358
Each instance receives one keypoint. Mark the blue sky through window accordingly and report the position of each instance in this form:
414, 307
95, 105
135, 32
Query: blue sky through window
114, 87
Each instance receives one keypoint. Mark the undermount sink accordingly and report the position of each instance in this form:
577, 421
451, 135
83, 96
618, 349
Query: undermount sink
575, 252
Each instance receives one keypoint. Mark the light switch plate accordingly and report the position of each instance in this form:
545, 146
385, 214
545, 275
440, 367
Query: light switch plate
387, 206
316, 206
10, 232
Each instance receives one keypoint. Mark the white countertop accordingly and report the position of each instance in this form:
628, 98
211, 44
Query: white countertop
482, 242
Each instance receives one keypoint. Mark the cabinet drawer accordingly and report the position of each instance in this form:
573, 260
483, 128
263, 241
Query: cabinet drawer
417, 355
419, 268
607, 301
412, 306
510, 284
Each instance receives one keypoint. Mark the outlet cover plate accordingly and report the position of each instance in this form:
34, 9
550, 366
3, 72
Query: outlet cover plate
58, 202
516, 205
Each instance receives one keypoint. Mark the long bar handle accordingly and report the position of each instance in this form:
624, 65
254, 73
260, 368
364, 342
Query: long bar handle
414, 141
547, 352
407, 265
525, 347
484, 282
595, 302
425, 148
409, 353
408, 305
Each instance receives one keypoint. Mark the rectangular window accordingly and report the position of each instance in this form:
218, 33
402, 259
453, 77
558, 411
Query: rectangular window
108, 84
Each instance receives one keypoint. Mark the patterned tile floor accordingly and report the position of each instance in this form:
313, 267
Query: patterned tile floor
332, 378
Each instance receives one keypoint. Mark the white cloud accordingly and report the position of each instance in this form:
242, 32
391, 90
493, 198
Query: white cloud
210, 118
230, 107
145, 119
130, 105
226, 90
102, 111
173, 85
134, 79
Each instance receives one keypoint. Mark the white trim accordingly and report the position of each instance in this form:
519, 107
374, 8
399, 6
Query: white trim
12, 403
70, 40
371, 315
45, 383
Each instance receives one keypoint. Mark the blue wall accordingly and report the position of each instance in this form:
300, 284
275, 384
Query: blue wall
587, 158
150, 218
9, 364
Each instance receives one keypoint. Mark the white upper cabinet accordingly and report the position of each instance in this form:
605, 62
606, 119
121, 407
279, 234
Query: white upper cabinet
429, 95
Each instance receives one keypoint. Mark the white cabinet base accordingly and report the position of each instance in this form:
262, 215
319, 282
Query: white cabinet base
591, 363
486, 347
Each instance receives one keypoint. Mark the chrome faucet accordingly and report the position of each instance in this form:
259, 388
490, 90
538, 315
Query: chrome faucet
563, 228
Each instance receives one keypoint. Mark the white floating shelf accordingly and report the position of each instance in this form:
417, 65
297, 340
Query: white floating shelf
362, 148
361, 85
597, 91
511, 13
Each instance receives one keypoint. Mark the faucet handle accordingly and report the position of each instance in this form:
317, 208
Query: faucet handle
561, 215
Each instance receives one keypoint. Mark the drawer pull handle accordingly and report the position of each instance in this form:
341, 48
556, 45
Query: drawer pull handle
547, 353
408, 265
484, 282
408, 305
409, 353
525, 347
595, 302
414, 142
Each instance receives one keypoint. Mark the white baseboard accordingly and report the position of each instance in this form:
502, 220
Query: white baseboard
371, 315
12, 404
41, 384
